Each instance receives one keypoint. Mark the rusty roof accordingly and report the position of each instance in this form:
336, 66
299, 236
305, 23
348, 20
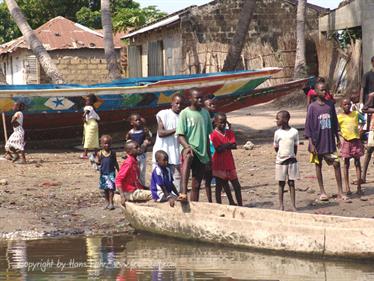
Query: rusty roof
60, 33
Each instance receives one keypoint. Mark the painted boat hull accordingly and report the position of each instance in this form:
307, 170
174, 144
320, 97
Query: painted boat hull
57, 112
259, 229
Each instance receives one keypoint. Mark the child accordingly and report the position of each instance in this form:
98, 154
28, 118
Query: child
321, 128
193, 129
351, 146
368, 110
127, 180
223, 166
143, 137
162, 186
312, 95
107, 160
16, 142
286, 140
91, 127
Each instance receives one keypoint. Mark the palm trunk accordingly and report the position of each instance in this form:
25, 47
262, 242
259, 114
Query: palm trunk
300, 64
34, 43
110, 54
238, 41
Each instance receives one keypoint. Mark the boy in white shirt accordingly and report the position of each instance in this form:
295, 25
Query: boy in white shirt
286, 140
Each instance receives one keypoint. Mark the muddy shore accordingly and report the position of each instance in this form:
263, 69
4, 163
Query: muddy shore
56, 193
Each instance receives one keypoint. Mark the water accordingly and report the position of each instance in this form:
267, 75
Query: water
150, 258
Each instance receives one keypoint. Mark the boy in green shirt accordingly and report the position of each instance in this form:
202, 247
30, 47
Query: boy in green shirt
193, 129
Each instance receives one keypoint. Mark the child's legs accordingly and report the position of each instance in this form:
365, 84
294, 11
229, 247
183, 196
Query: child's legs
338, 177
238, 193
358, 173
320, 178
198, 171
185, 171
280, 194
291, 184
346, 174
368, 153
110, 196
226, 187
176, 171
219, 186
208, 179
106, 193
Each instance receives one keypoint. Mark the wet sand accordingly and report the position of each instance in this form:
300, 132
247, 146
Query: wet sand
56, 193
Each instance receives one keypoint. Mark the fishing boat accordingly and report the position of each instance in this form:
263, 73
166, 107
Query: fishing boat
261, 229
56, 110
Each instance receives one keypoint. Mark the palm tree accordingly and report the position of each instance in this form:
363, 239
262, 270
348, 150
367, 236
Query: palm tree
238, 41
300, 64
34, 43
110, 54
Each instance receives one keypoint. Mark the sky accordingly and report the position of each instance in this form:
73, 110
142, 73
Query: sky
170, 6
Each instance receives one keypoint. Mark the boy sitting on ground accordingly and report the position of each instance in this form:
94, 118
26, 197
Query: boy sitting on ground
127, 180
162, 186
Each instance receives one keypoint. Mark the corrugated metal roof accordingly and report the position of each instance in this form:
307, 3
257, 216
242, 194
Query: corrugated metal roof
60, 33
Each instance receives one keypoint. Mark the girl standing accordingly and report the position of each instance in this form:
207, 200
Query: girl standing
107, 160
91, 126
351, 145
15, 146
223, 165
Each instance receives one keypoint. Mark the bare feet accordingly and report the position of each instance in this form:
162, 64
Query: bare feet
293, 209
171, 202
182, 197
281, 207
323, 197
111, 207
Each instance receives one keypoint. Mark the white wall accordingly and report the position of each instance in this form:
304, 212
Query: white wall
15, 71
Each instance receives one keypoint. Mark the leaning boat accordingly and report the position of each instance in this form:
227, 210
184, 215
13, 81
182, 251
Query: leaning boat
260, 229
56, 110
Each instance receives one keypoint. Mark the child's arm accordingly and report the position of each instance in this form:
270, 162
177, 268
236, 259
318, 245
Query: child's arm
116, 162
120, 178
98, 158
223, 147
14, 120
295, 149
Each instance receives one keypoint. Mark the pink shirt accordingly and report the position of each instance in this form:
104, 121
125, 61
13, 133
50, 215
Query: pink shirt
127, 178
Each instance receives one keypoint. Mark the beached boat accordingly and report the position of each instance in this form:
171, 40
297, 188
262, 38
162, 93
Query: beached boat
56, 110
253, 228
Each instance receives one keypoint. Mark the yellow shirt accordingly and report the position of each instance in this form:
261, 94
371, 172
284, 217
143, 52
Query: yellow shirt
348, 124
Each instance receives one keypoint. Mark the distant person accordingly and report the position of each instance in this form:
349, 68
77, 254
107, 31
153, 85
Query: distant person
162, 187
107, 160
286, 141
15, 146
321, 128
91, 127
143, 137
312, 95
166, 138
367, 85
127, 180
368, 109
223, 164
351, 145
193, 129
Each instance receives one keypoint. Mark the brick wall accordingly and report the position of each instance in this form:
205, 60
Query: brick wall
207, 31
84, 66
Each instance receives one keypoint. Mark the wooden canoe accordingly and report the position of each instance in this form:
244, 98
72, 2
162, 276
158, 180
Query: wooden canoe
55, 111
260, 229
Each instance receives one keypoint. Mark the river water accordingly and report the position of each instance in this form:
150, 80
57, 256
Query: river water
152, 258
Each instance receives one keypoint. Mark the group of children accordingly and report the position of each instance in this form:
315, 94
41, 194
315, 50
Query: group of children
199, 141
194, 140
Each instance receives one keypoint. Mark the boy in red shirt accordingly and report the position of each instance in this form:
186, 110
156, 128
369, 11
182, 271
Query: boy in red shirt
127, 180
223, 166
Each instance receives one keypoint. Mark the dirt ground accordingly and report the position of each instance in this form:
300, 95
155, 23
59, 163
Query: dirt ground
56, 193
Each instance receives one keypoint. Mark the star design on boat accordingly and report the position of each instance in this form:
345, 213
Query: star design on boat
58, 102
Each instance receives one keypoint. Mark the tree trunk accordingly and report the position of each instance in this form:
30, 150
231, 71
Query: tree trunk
238, 41
34, 43
300, 64
110, 54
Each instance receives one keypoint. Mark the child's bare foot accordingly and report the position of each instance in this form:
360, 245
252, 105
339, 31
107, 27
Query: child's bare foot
182, 197
171, 202
323, 197
360, 192
293, 209
15, 158
106, 206
111, 207
349, 192
344, 198
233, 203
281, 207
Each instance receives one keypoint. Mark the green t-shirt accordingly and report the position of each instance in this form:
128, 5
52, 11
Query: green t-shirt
196, 126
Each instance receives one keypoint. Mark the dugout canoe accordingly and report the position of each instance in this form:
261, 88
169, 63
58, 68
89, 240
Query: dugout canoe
260, 229
55, 111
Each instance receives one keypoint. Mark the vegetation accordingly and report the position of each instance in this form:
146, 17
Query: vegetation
125, 14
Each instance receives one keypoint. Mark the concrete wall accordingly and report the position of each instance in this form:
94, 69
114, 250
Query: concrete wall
13, 67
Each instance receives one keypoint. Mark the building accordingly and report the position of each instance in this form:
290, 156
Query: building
77, 51
196, 39
353, 13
